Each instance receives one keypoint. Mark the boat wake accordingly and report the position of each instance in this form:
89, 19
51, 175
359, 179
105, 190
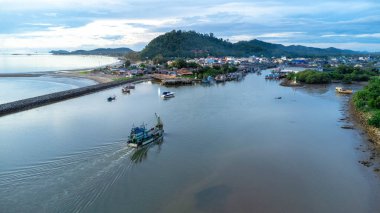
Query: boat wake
70, 183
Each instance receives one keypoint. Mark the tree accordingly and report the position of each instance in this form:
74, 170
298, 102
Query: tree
159, 59
133, 56
179, 63
127, 63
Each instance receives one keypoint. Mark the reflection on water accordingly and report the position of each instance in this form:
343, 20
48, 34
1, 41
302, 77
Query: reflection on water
140, 154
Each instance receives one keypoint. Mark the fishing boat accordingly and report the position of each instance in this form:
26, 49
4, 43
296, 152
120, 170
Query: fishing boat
130, 86
220, 78
167, 94
343, 91
141, 136
126, 90
207, 80
111, 98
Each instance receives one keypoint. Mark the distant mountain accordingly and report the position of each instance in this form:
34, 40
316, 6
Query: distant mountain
100, 51
191, 44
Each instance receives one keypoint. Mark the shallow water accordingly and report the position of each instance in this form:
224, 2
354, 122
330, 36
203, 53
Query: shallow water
17, 88
41, 63
227, 148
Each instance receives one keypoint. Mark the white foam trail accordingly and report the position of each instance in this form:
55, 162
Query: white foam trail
73, 182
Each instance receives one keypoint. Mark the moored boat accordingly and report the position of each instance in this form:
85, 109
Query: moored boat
343, 91
220, 78
141, 136
126, 90
130, 86
167, 94
111, 98
207, 80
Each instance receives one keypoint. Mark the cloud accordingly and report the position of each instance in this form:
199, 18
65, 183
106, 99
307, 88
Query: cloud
39, 24
281, 35
368, 35
38, 5
99, 33
79, 24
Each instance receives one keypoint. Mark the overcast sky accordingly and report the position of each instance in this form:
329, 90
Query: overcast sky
41, 25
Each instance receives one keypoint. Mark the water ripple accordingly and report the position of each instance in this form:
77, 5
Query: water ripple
69, 183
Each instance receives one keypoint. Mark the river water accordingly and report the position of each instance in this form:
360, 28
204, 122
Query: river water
226, 148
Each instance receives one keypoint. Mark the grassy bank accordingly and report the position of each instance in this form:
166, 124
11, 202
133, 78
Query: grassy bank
368, 101
366, 108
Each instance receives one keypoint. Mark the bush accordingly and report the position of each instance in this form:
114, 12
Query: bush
347, 79
313, 77
361, 99
375, 119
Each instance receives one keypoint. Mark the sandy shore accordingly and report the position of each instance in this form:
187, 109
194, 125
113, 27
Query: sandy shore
87, 74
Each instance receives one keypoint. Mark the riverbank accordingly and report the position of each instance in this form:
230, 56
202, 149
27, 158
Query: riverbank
290, 83
361, 118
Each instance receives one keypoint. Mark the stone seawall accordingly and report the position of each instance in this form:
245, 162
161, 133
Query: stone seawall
42, 100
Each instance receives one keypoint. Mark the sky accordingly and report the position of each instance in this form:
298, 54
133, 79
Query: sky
43, 25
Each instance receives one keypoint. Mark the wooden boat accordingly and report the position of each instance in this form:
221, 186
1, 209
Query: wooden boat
140, 136
343, 91
111, 98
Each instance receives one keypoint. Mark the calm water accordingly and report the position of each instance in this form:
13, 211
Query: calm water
40, 63
227, 148
13, 89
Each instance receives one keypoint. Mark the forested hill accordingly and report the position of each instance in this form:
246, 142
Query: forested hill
100, 51
191, 44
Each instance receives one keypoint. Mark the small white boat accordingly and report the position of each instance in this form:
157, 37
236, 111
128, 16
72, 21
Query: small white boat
167, 94
130, 86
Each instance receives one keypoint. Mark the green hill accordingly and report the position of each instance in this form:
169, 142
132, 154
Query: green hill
191, 44
100, 51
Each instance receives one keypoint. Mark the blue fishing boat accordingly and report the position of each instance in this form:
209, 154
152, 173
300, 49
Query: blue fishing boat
207, 80
141, 136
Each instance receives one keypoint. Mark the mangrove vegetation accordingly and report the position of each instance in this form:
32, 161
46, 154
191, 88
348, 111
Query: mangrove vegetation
342, 73
368, 100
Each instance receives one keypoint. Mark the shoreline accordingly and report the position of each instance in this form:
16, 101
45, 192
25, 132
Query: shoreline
35, 102
360, 119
